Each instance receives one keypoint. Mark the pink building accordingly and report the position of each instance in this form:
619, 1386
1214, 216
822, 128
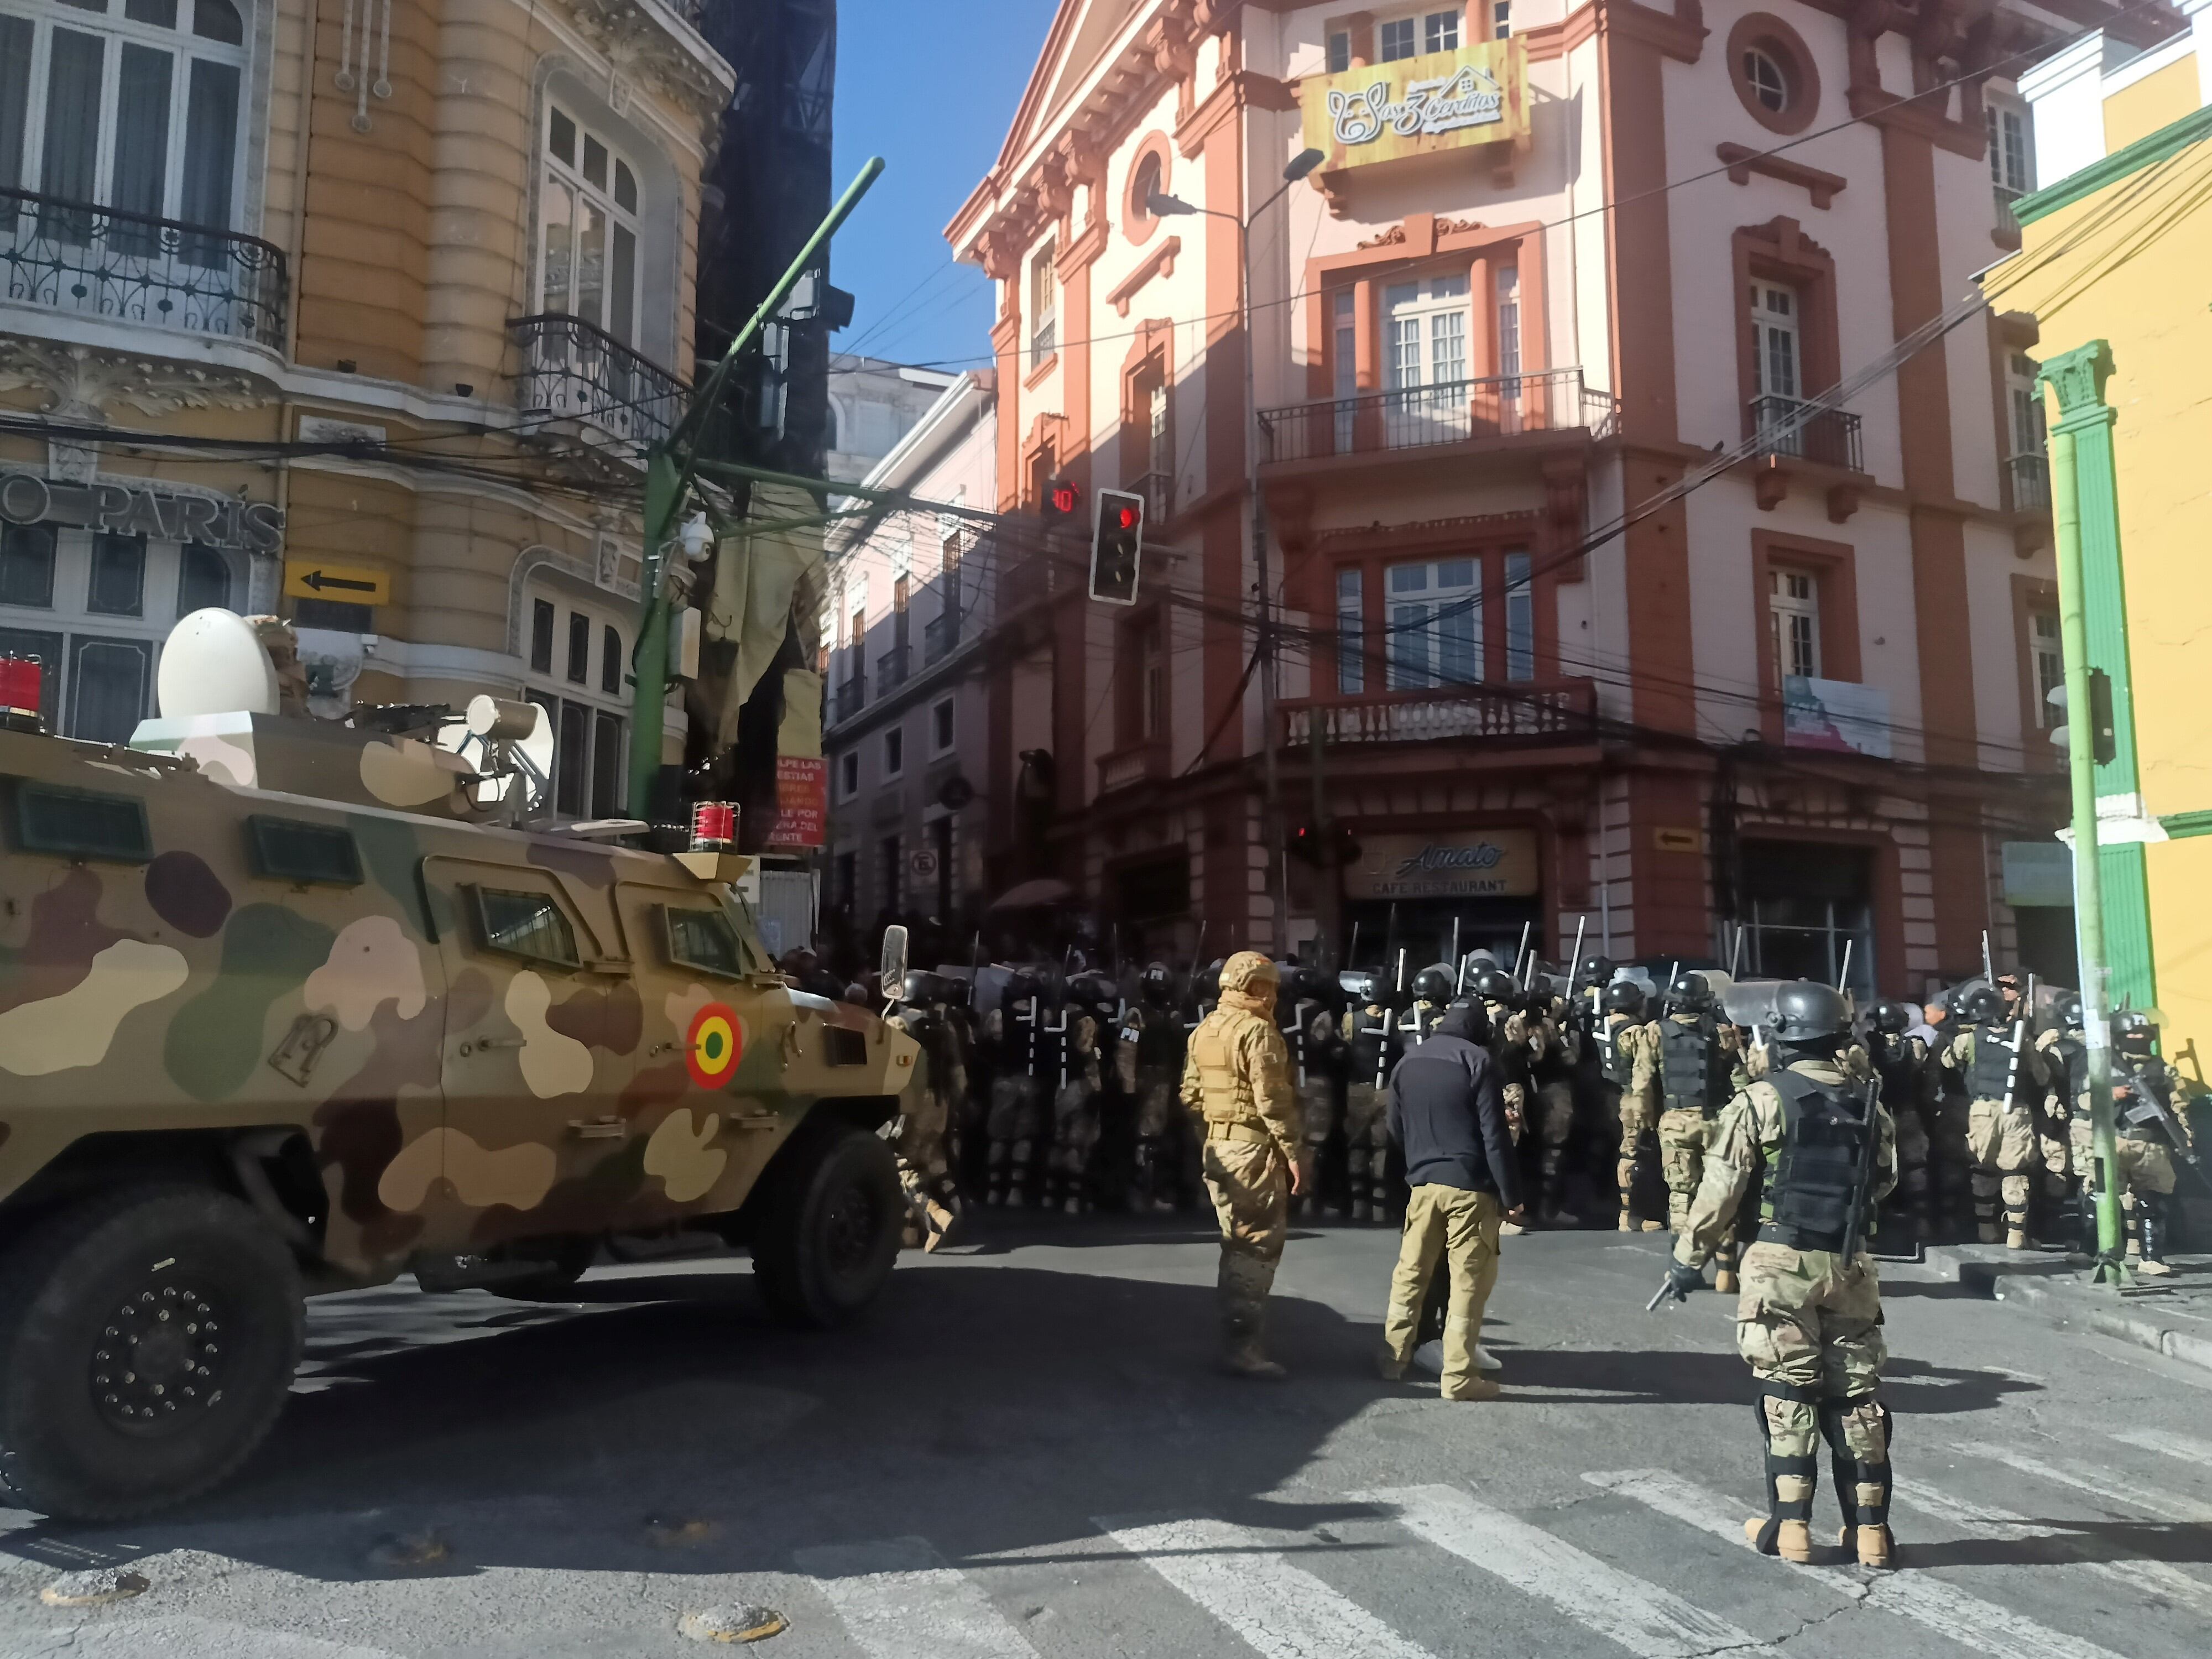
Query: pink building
1555, 664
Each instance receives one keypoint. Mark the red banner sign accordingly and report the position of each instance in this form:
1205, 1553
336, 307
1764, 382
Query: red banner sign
802, 804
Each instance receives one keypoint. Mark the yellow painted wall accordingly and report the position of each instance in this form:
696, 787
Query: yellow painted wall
2156, 100
2125, 266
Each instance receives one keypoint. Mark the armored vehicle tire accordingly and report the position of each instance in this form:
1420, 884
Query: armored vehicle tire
826, 1241
146, 1341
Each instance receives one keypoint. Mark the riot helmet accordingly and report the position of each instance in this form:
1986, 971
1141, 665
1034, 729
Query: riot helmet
2133, 1032
1298, 983
1433, 984
1096, 989
2069, 1010
1625, 996
1690, 991
1495, 985
1598, 970
1891, 1017
1206, 985
1979, 1004
919, 989
1021, 986
1806, 1010
1157, 984
1368, 988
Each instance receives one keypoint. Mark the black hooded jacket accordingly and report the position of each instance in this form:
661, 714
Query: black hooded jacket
1448, 1113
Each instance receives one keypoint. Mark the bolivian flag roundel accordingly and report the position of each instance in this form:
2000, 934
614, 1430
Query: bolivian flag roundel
713, 1045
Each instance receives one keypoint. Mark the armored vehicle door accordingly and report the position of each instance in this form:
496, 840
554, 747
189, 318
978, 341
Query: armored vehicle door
542, 1025
712, 1094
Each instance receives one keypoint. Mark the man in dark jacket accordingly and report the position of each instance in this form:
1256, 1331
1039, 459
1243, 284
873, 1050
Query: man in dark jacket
1447, 1111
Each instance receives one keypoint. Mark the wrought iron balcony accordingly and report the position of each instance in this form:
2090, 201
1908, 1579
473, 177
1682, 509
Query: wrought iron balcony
1562, 709
890, 669
2007, 222
103, 262
573, 370
1807, 432
940, 635
1421, 418
2030, 479
850, 697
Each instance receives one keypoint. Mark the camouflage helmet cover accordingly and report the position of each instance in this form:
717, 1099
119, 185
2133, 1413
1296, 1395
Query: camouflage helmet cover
1249, 971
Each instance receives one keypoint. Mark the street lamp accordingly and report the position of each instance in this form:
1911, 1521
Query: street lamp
1162, 205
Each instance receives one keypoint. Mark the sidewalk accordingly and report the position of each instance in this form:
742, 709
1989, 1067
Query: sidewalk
2171, 1316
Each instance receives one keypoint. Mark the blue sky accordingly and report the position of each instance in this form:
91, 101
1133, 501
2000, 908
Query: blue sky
930, 86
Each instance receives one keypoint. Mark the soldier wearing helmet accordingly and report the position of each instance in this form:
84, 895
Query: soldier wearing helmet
1627, 1042
1237, 1079
1699, 1056
1809, 1322
1900, 1063
925, 1146
1370, 1051
1999, 1071
1553, 1049
2149, 1136
2062, 1126
1308, 1028
1500, 995
1092, 1003
1150, 1055
1015, 1037
1432, 995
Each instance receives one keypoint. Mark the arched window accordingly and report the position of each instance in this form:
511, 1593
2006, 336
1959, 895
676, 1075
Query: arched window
1769, 84
132, 104
588, 228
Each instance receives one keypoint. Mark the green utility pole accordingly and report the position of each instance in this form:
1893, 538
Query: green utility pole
669, 466
2080, 372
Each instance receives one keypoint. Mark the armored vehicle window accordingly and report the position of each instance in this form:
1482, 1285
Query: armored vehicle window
524, 925
78, 825
289, 851
704, 940
844, 1046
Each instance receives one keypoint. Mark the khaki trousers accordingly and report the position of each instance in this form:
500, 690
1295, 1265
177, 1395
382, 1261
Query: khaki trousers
1462, 1228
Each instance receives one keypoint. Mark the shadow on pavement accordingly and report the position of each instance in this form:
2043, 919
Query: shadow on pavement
2181, 1544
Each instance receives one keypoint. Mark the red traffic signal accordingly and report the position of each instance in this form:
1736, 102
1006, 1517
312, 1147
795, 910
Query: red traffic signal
1061, 499
1117, 547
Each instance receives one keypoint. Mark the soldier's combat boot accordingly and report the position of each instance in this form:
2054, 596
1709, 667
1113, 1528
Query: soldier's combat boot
1786, 1529
2151, 1208
1862, 1484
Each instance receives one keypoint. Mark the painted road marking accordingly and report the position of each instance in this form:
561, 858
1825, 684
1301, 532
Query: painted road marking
1941, 1606
1980, 1520
2130, 1496
1280, 1611
1649, 1621
900, 1599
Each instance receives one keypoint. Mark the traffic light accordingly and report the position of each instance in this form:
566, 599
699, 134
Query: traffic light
1330, 843
1063, 501
2103, 742
1117, 547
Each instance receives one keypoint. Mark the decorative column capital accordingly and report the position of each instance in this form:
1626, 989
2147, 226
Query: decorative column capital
2078, 377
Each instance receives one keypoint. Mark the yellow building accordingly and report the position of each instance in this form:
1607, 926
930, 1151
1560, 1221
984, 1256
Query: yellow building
2115, 242
360, 312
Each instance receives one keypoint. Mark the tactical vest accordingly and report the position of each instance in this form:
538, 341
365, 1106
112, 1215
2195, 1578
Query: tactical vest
1367, 1037
1693, 1072
1617, 1057
1991, 1068
1224, 1092
1160, 1042
1899, 1071
2074, 1055
1812, 1177
2138, 1120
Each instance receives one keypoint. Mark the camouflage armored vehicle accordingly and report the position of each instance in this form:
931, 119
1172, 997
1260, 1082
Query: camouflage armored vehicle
277, 1018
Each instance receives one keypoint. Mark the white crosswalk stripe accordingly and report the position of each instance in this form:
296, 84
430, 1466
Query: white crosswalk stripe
1979, 1520
1279, 1610
1649, 1621
2128, 1495
1941, 1606
899, 1599
2187, 1448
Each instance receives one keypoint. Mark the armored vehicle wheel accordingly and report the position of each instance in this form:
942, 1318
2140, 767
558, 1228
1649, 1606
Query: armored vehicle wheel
830, 1231
146, 1341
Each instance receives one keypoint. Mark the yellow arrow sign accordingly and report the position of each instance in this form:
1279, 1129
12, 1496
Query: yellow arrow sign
311, 579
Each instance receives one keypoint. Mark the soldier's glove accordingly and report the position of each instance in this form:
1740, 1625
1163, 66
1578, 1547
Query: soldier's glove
1680, 1281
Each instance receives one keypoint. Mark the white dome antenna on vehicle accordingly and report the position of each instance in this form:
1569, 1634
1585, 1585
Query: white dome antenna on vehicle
214, 664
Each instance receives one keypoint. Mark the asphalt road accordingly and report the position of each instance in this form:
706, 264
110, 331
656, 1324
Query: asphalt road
1025, 1454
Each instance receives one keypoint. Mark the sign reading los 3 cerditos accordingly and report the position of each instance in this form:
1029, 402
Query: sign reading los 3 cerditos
1419, 105
141, 510
1463, 864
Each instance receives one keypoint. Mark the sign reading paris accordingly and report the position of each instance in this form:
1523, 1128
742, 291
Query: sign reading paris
1419, 105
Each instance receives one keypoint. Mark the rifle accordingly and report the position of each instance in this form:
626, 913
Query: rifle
2151, 1110
1862, 1174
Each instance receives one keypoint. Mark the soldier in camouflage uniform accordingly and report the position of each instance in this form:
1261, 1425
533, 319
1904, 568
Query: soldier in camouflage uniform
1237, 1080
1809, 1320
1515, 1039
1699, 1056
2148, 1139
1078, 1104
1371, 1049
1628, 1044
1308, 1028
925, 1146
1150, 1054
1014, 1034
1900, 1063
1555, 1053
2000, 1072
2065, 1120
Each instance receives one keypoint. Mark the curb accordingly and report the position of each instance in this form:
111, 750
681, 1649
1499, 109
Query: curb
2053, 1294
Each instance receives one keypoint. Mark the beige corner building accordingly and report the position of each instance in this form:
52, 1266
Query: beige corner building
361, 311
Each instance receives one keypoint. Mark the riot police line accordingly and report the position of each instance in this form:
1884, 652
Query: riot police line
1055, 1087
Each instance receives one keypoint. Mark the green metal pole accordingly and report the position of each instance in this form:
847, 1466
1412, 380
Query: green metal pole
669, 466
2088, 887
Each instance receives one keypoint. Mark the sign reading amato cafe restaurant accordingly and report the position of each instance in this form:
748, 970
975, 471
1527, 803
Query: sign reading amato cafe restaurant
1442, 101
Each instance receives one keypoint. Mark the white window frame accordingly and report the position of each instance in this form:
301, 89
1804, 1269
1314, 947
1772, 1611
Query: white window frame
1769, 82
1440, 31
114, 29
2046, 654
2012, 146
551, 687
1352, 630
1433, 608
2024, 401
568, 176
1501, 19
1044, 302
1425, 330
1391, 31
1778, 340
1793, 605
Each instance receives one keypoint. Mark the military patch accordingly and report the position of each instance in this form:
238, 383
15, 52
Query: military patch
714, 1045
